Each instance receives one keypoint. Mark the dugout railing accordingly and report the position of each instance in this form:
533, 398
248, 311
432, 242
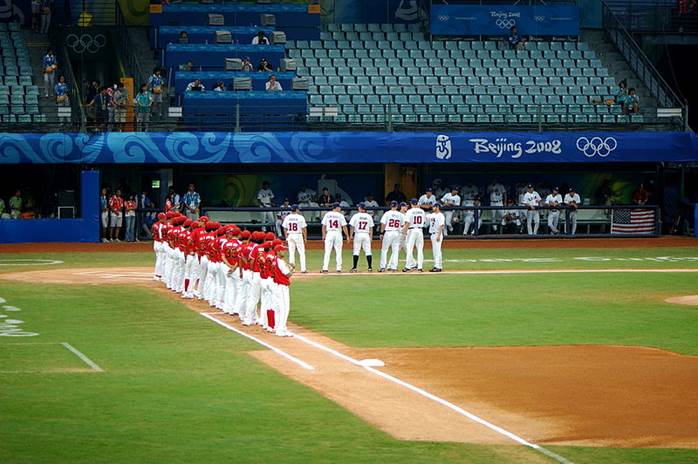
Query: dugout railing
482, 221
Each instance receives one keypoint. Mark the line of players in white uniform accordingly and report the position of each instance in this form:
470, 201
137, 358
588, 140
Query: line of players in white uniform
400, 227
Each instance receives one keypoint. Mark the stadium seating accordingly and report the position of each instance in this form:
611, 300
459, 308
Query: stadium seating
375, 72
19, 97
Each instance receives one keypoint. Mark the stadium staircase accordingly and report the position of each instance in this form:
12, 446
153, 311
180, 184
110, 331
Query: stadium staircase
375, 73
37, 45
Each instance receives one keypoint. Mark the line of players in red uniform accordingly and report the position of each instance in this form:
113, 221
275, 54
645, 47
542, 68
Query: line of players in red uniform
237, 271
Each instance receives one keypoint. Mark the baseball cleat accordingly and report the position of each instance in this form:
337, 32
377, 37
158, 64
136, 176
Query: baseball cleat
381, 270
370, 269
323, 271
353, 270
406, 269
420, 270
338, 271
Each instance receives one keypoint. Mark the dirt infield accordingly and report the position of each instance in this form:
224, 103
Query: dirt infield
688, 300
579, 395
660, 242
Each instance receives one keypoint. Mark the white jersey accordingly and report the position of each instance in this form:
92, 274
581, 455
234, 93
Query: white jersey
362, 223
283, 213
265, 196
497, 192
428, 201
294, 223
470, 191
334, 221
371, 204
531, 199
416, 218
572, 199
557, 199
393, 220
436, 222
305, 196
451, 200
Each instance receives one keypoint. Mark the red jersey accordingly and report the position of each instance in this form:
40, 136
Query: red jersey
159, 231
184, 241
173, 236
254, 254
268, 265
243, 251
281, 272
116, 204
215, 251
230, 251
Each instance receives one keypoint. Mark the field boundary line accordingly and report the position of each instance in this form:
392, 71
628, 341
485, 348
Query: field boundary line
510, 271
443, 402
276, 350
84, 358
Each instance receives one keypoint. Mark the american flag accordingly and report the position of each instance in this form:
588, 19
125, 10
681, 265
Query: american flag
632, 221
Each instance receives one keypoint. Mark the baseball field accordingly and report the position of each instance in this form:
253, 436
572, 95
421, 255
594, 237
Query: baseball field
570, 351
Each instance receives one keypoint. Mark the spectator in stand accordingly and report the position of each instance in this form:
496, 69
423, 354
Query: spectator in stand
273, 85
143, 102
143, 202
101, 103
110, 107
622, 94
61, 91
395, 195
91, 91
195, 86
104, 211
265, 66
553, 201
46, 6
632, 102
572, 201
183, 37
192, 203
116, 206
265, 199
641, 195
247, 65
172, 202
260, 39
219, 87
130, 218
155, 85
516, 42
15, 204
50, 65
188, 66
120, 99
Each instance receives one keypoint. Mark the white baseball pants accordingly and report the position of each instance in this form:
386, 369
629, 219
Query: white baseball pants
282, 307
391, 240
532, 216
333, 240
362, 242
295, 242
415, 238
436, 250
553, 220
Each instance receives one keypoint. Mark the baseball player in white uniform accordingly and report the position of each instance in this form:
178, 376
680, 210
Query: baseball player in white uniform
391, 227
415, 220
265, 199
450, 200
361, 234
572, 201
427, 200
470, 191
333, 224
497, 193
553, 201
531, 201
437, 224
469, 219
280, 216
296, 232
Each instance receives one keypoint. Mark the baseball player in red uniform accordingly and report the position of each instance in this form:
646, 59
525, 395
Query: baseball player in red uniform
243, 265
172, 235
202, 242
253, 294
209, 280
158, 237
280, 290
219, 295
265, 275
191, 259
229, 256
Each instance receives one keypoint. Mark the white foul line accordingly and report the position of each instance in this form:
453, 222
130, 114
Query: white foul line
439, 400
276, 350
84, 358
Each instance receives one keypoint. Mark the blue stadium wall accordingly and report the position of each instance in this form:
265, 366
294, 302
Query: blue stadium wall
230, 166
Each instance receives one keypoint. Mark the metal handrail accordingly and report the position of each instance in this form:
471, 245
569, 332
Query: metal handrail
640, 63
76, 97
126, 48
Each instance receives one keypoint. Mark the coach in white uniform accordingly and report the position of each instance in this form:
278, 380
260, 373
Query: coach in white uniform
497, 192
391, 226
531, 201
296, 232
332, 226
361, 234
572, 201
553, 201
415, 219
437, 223
450, 200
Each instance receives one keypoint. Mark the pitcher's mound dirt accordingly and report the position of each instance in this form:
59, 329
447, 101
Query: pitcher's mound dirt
595, 395
690, 300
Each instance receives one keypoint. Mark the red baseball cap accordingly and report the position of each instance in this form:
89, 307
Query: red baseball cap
245, 234
162, 216
203, 218
187, 222
270, 236
278, 241
279, 248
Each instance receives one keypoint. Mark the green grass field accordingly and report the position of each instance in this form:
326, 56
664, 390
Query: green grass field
178, 388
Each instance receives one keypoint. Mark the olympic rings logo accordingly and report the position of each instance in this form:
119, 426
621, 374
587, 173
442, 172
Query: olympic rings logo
596, 146
86, 42
505, 23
